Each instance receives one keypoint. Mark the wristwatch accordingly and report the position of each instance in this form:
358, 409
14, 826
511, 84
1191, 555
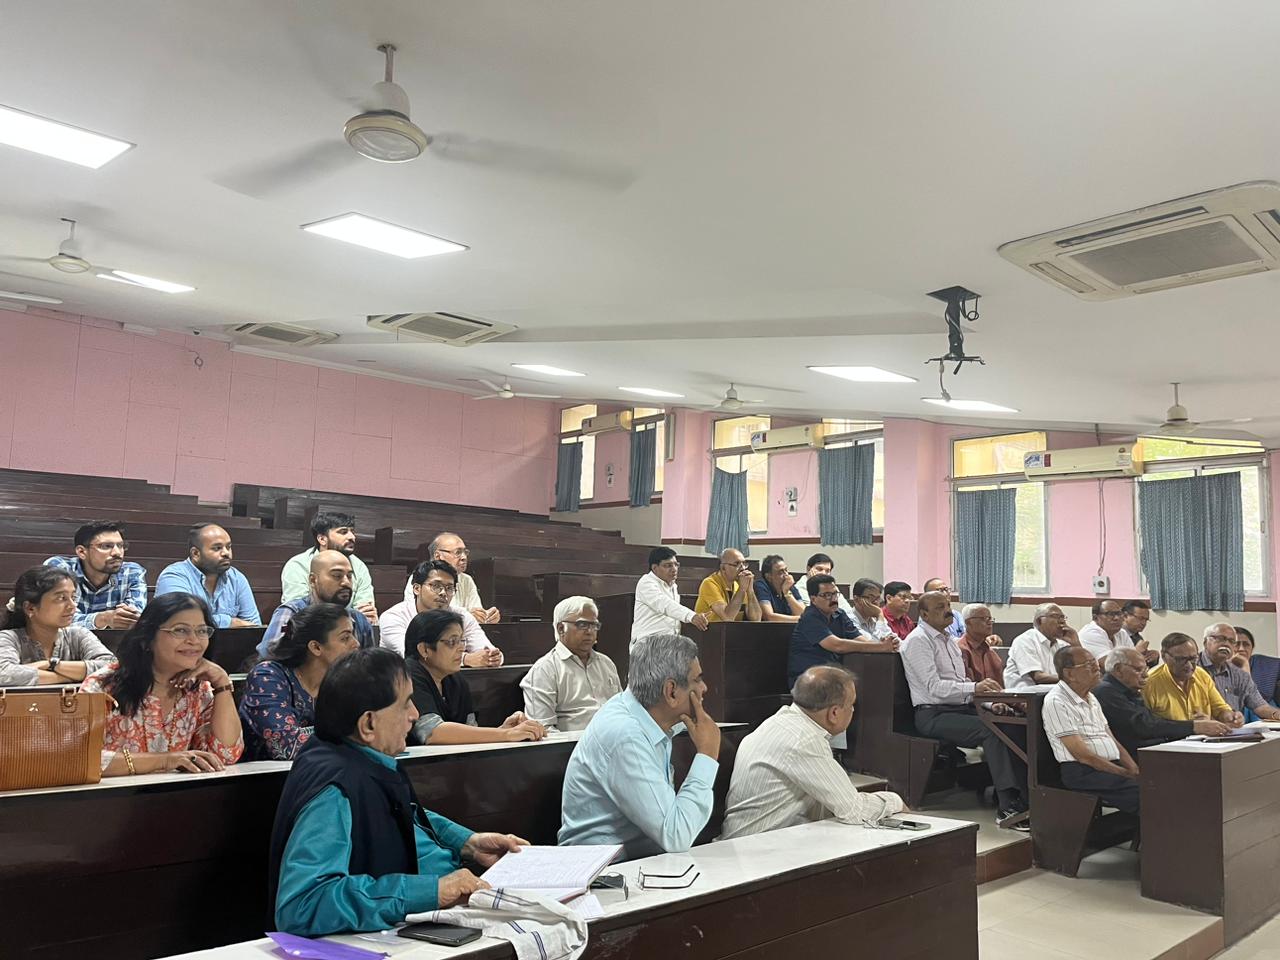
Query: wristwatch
53, 664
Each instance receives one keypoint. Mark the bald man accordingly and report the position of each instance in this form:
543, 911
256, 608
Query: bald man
207, 572
729, 593
330, 580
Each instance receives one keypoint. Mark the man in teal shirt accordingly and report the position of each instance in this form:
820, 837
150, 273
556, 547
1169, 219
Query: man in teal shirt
351, 849
618, 786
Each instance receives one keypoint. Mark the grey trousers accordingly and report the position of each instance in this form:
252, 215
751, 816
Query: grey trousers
961, 726
1115, 790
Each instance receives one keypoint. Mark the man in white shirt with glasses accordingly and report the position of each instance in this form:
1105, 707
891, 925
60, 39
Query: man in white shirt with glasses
658, 608
450, 548
434, 584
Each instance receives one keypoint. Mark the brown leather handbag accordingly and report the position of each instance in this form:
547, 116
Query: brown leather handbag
50, 737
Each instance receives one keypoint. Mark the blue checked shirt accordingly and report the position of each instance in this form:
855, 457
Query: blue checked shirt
128, 586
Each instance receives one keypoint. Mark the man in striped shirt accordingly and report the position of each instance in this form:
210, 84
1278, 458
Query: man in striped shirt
784, 773
1091, 759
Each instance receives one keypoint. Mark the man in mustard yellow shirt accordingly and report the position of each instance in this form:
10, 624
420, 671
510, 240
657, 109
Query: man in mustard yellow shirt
729, 594
1179, 690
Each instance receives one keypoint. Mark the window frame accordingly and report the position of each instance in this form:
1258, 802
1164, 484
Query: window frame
740, 452
588, 478
659, 423
875, 436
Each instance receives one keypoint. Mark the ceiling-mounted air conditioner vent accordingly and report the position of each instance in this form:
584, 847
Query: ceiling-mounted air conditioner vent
1210, 236
440, 327
278, 334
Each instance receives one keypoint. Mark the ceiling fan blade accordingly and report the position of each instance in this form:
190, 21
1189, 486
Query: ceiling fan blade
1225, 423
540, 396
289, 171
490, 384
488, 396
40, 260
532, 161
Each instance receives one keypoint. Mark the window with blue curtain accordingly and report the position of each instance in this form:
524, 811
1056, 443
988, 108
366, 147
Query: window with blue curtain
644, 455
846, 481
985, 534
1192, 533
568, 477
727, 518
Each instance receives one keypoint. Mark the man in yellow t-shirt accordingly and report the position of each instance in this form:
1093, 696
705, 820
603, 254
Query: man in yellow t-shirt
1179, 690
729, 594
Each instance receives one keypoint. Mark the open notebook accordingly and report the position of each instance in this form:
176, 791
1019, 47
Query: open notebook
560, 873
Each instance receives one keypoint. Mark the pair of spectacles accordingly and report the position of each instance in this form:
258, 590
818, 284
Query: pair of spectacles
441, 589
871, 599
984, 619
1183, 661
459, 552
110, 547
830, 596
584, 624
1218, 636
453, 644
1111, 613
186, 633
736, 563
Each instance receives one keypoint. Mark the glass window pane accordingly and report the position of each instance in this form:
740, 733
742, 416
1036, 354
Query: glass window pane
1154, 449
851, 426
660, 456
737, 431
756, 466
587, 489
877, 488
571, 418
1251, 511
987, 456
1030, 572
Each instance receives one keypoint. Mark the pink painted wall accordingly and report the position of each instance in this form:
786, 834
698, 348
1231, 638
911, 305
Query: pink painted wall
79, 395
687, 490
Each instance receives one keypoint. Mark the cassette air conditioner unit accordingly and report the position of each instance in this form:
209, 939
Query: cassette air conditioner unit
606, 423
452, 328
278, 335
1122, 460
809, 436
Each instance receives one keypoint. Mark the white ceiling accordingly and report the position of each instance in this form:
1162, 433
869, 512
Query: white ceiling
773, 169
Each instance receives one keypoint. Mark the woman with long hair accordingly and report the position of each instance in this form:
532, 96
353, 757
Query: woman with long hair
434, 648
173, 708
38, 642
278, 711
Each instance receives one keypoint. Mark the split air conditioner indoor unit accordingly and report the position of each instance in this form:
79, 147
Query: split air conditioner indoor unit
440, 327
1122, 460
278, 335
809, 436
606, 423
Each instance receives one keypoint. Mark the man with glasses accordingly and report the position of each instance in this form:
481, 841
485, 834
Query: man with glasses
110, 591
564, 688
728, 594
1130, 719
1233, 682
658, 608
1031, 653
330, 581
1179, 690
897, 604
821, 563
434, 585
865, 611
1090, 758
980, 661
1106, 632
824, 632
450, 548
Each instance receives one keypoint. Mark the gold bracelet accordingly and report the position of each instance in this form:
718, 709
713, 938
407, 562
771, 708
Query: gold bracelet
129, 760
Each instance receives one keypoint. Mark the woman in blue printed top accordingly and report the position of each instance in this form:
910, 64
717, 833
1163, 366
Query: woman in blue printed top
278, 707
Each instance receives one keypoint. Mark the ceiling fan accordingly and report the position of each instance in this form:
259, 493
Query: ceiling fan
384, 131
731, 400
1178, 423
505, 392
70, 259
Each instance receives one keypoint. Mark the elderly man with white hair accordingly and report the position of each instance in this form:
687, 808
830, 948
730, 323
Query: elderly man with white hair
1031, 653
617, 787
1234, 683
565, 687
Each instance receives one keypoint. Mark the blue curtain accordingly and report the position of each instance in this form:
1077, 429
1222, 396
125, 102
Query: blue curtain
985, 534
727, 518
1193, 542
644, 451
845, 480
568, 476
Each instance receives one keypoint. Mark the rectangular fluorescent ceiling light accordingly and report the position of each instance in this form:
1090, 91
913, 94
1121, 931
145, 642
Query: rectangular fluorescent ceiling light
549, 371
972, 405
650, 392
59, 140
34, 298
864, 374
151, 283
382, 236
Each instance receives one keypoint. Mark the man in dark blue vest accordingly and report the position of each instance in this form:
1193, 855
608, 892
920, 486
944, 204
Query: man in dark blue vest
352, 849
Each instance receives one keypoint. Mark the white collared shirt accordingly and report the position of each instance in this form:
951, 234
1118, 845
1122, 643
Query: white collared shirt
841, 601
934, 667
784, 774
563, 693
465, 597
393, 622
1065, 713
1031, 652
1094, 639
658, 608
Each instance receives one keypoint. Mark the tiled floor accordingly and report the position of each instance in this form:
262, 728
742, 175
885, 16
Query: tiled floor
1262, 944
964, 805
1098, 915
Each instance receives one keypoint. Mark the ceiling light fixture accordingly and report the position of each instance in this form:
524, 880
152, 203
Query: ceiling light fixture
59, 140
864, 374
33, 298
151, 283
971, 405
650, 392
548, 371
382, 236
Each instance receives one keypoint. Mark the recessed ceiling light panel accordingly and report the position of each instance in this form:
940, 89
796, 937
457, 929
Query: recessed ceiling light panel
548, 371
864, 374
59, 140
30, 297
382, 236
651, 392
973, 406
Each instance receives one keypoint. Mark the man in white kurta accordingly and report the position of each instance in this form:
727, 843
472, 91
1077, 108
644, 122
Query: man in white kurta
784, 772
658, 608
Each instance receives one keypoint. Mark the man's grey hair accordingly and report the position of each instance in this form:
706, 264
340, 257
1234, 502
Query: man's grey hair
822, 687
434, 545
1209, 629
1043, 611
661, 657
971, 609
571, 608
1117, 657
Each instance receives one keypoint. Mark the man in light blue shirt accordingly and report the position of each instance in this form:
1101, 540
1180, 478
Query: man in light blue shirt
618, 785
207, 573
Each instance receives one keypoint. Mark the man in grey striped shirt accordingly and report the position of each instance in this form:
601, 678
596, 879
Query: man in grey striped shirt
784, 773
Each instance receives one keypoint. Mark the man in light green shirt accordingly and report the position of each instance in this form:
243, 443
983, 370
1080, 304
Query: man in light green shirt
332, 531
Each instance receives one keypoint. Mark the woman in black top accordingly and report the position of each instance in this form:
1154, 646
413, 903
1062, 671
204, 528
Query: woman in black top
434, 648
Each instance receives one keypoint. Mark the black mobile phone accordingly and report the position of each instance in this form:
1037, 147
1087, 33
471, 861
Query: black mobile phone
897, 823
445, 934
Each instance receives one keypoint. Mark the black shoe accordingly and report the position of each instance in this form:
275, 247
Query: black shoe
1004, 816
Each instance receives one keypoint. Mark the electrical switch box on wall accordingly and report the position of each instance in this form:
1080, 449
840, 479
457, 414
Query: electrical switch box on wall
1101, 585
